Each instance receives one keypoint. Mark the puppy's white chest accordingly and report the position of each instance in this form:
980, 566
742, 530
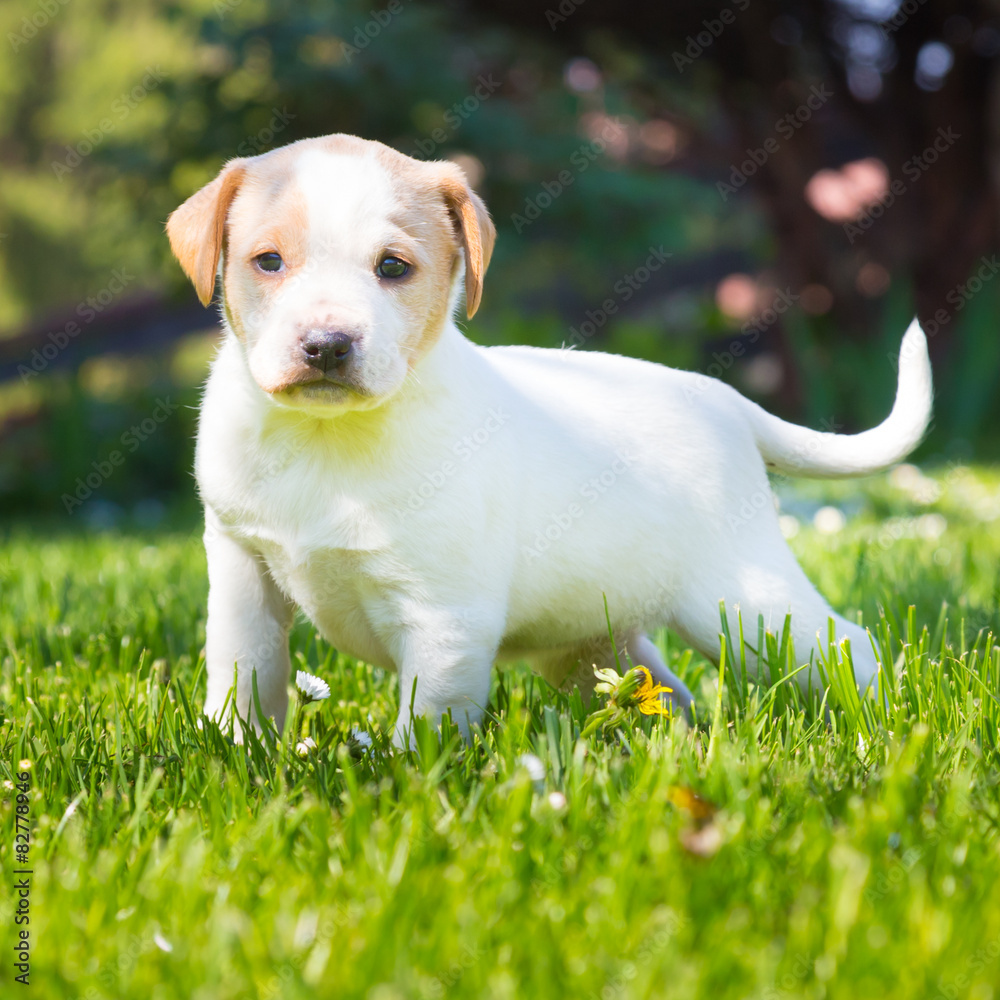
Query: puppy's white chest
316, 578
334, 590
330, 557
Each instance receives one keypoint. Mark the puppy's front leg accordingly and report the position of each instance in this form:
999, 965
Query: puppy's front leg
248, 622
450, 668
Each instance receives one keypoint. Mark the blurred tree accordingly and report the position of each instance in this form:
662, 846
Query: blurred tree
115, 114
603, 135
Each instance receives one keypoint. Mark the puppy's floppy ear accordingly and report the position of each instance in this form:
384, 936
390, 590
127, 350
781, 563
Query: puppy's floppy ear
197, 228
475, 230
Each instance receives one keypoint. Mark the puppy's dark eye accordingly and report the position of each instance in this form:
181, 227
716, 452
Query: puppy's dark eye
392, 267
269, 261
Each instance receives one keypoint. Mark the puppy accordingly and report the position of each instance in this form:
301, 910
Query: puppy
434, 506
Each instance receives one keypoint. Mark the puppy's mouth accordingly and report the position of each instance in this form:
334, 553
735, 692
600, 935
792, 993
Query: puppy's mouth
312, 387
305, 376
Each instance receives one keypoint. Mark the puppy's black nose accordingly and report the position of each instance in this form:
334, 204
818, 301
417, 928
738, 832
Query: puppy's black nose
327, 349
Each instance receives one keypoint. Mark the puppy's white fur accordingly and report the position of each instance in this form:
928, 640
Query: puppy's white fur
454, 505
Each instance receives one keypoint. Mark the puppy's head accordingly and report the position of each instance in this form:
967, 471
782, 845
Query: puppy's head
340, 263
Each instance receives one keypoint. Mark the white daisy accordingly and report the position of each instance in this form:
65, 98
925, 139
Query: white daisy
829, 520
311, 688
363, 739
789, 525
535, 768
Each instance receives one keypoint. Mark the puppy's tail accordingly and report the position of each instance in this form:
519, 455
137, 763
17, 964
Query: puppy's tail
799, 451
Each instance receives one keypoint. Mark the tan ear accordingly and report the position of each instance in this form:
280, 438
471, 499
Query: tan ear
475, 230
197, 228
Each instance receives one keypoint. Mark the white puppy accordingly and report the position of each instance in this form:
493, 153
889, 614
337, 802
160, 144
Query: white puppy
434, 506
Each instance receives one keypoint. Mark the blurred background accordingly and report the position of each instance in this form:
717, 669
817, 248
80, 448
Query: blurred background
762, 191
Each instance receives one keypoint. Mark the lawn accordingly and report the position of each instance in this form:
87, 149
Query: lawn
784, 846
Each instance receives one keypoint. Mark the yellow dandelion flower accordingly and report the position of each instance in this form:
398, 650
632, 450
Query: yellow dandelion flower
647, 695
634, 689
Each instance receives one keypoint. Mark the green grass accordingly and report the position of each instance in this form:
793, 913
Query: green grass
840, 851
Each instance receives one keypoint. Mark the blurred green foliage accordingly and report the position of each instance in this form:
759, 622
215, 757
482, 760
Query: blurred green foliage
112, 113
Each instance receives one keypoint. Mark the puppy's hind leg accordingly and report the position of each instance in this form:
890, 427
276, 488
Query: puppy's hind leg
764, 580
